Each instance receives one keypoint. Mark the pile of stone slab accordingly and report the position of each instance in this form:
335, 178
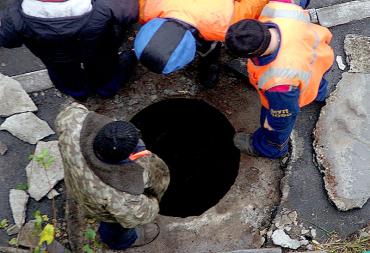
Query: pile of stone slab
21, 122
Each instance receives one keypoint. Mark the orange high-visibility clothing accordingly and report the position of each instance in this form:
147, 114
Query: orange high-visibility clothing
303, 58
210, 17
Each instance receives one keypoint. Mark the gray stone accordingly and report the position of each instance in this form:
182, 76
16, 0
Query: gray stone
52, 194
343, 13
13, 250
27, 236
265, 250
27, 127
41, 181
3, 148
13, 99
340, 62
12, 230
343, 155
279, 237
357, 48
18, 202
35, 81
313, 16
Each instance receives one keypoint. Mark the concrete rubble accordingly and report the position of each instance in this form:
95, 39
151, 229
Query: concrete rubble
339, 60
343, 155
27, 127
3, 148
52, 194
357, 48
34, 81
27, 237
279, 237
41, 181
13, 99
343, 13
12, 230
18, 203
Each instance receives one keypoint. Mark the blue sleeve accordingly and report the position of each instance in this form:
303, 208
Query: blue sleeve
9, 36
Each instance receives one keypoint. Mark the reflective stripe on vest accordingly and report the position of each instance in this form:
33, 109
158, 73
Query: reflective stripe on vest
140, 154
283, 73
279, 13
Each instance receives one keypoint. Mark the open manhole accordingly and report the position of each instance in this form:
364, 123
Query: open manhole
195, 140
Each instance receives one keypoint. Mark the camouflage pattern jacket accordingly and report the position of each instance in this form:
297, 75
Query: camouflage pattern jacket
99, 200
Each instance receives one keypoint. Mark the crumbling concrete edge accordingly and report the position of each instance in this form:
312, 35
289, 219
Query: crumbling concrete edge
324, 166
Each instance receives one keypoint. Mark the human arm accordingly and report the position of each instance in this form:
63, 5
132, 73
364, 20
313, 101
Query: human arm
156, 175
9, 36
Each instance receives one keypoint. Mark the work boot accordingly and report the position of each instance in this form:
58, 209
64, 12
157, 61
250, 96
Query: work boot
209, 76
146, 234
209, 67
243, 142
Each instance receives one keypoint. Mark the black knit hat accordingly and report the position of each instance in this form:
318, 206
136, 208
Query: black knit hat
116, 141
248, 38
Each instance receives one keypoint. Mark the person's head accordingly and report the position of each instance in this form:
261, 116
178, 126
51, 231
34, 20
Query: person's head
115, 141
165, 45
248, 38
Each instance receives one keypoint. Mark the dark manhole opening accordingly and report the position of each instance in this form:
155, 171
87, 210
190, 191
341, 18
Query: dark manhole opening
195, 140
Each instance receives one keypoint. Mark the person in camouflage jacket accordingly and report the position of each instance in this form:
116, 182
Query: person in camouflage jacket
111, 175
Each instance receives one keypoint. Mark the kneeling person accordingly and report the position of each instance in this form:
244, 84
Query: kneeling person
109, 172
288, 58
175, 30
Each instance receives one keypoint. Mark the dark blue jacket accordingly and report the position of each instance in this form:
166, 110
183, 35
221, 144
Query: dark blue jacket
63, 40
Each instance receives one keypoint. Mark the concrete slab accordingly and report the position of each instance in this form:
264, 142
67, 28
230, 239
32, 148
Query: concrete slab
13, 98
27, 127
34, 81
357, 48
343, 155
40, 180
18, 203
343, 13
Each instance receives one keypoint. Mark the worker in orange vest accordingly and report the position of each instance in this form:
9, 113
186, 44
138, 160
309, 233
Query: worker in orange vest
288, 58
175, 30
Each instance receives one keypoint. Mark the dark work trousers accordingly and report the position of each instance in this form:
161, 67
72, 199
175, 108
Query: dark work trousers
115, 236
281, 117
104, 75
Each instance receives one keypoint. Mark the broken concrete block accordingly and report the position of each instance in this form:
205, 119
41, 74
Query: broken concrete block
357, 48
18, 202
13, 99
52, 194
3, 148
12, 230
340, 62
343, 155
27, 236
27, 127
34, 81
41, 181
279, 237
343, 13
13, 250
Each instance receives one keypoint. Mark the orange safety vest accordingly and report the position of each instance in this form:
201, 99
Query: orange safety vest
210, 17
303, 58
